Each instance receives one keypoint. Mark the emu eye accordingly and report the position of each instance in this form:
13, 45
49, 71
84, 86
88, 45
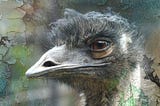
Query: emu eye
101, 48
99, 45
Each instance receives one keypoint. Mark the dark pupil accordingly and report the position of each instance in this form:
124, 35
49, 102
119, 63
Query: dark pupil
100, 45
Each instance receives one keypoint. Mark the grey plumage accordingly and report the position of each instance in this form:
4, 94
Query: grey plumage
73, 60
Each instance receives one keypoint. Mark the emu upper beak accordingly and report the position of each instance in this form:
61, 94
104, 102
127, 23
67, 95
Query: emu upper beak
48, 63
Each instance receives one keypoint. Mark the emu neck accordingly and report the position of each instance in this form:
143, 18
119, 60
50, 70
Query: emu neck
96, 92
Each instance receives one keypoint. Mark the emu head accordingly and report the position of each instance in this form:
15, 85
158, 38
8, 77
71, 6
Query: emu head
92, 46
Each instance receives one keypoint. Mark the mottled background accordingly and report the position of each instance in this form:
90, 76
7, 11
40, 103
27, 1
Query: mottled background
22, 28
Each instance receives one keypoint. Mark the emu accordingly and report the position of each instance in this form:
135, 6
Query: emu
94, 53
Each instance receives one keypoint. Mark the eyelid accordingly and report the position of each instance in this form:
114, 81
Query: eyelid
90, 41
108, 45
99, 55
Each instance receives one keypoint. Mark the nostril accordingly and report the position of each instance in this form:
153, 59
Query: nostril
49, 64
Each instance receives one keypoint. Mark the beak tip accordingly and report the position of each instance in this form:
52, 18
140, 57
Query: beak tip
29, 74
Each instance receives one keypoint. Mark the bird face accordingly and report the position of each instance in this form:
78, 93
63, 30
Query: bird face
61, 60
88, 45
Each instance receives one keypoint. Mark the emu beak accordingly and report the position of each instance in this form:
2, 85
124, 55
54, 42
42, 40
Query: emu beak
38, 70
48, 63
59, 61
